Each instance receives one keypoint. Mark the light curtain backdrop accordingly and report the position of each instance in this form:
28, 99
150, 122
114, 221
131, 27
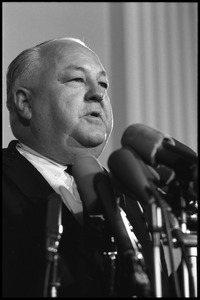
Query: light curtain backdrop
148, 49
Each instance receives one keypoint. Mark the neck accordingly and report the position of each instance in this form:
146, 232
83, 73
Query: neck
66, 156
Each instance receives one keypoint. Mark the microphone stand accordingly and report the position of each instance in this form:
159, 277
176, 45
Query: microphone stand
107, 247
190, 269
55, 282
54, 231
110, 257
186, 238
156, 226
189, 242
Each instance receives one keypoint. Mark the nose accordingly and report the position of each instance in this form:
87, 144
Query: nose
95, 94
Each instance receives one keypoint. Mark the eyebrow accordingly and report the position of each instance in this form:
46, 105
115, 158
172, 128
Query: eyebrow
75, 67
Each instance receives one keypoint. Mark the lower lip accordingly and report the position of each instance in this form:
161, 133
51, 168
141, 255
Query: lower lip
93, 118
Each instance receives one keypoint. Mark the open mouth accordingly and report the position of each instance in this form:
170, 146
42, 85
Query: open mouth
94, 114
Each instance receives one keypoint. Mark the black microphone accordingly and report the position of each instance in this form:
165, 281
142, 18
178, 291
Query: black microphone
83, 171
54, 226
155, 148
131, 174
92, 180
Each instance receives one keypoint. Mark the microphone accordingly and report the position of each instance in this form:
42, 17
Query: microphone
54, 226
83, 171
132, 175
98, 197
92, 181
155, 148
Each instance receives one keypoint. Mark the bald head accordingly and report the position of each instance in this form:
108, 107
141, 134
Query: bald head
24, 69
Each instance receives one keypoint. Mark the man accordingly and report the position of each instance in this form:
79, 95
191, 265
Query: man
59, 110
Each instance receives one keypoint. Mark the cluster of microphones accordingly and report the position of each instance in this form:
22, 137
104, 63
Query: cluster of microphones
147, 160
147, 157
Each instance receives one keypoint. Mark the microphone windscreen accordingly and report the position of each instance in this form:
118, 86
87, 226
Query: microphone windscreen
83, 171
95, 187
112, 212
126, 169
145, 141
53, 220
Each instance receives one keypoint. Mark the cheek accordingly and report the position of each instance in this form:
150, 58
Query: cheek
57, 110
64, 114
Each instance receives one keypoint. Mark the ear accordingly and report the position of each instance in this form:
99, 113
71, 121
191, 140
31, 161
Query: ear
23, 102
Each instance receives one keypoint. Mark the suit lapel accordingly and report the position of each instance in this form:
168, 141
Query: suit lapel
36, 189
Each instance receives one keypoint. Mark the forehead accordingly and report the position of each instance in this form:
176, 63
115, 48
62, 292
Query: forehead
62, 54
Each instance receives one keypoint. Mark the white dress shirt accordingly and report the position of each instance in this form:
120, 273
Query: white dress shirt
55, 174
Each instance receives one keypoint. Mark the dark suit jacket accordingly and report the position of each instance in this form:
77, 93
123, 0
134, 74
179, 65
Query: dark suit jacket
81, 268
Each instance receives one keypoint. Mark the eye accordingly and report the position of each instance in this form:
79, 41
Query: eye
103, 84
77, 79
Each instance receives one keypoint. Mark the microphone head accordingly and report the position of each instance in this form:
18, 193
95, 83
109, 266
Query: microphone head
145, 141
83, 170
129, 174
53, 220
157, 148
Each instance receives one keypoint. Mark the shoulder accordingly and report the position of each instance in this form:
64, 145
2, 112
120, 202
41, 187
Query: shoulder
9, 153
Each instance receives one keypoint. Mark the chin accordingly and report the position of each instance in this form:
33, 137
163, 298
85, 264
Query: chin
93, 147
91, 144
93, 139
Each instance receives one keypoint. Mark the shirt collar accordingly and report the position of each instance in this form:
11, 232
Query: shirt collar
27, 149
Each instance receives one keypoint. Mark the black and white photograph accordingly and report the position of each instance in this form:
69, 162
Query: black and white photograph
99, 149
